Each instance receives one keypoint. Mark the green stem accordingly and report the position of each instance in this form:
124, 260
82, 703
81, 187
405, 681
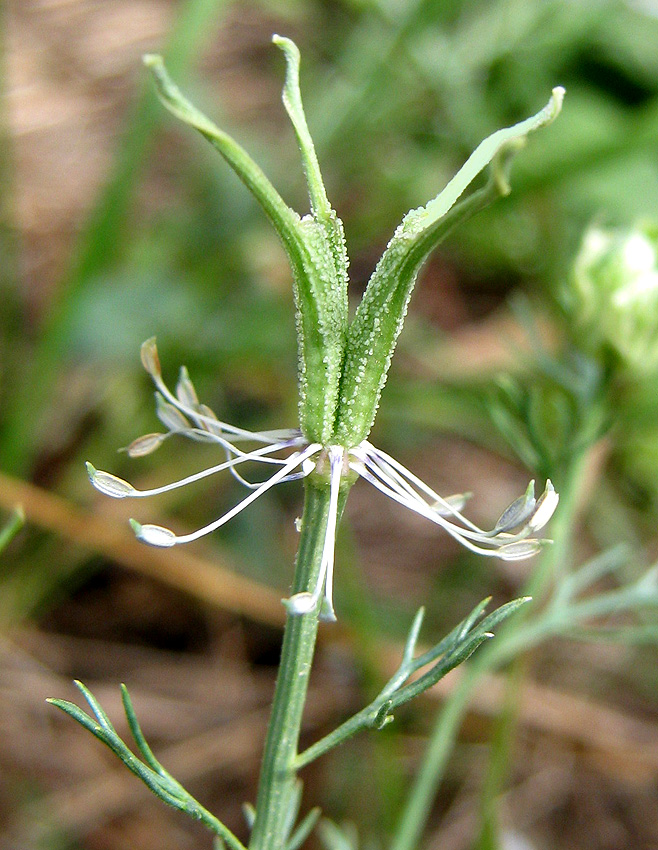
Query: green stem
498, 768
362, 720
424, 789
499, 651
278, 771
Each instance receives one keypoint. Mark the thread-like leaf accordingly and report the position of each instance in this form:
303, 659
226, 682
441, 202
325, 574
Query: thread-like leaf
335, 838
153, 775
304, 829
80, 717
496, 617
412, 637
136, 732
453, 659
454, 637
96, 708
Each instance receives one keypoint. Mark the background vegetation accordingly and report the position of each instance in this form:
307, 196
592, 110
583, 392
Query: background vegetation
117, 225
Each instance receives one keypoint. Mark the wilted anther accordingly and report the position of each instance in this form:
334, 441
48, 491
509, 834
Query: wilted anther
293, 457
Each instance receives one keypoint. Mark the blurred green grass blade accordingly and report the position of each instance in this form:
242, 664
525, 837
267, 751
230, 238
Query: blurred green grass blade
435, 407
365, 62
11, 527
102, 240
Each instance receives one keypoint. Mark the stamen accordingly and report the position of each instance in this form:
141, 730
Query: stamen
301, 603
146, 444
185, 391
116, 487
545, 509
305, 601
416, 503
521, 550
154, 535
403, 472
110, 485
517, 513
455, 504
382, 472
182, 414
294, 461
254, 485
215, 424
170, 415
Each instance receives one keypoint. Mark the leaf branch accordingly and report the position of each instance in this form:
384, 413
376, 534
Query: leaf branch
150, 771
453, 650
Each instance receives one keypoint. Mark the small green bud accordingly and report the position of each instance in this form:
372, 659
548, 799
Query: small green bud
614, 295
